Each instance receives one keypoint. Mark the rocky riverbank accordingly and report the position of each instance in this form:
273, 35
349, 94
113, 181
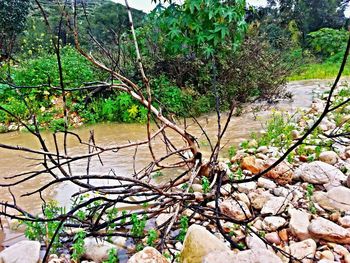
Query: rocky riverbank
297, 212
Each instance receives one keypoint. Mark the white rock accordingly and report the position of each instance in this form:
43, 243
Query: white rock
345, 221
273, 237
274, 206
329, 157
340, 250
337, 198
304, 250
237, 210
259, 198
272, 223
148, 255
298, 224
262, 149
255, 242
96, 249
162, 218
327, 230
198, 243
320, 173
266, 183
21, 252
247, 187
247, 256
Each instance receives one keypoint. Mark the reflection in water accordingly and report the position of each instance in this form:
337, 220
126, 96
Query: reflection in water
121, 162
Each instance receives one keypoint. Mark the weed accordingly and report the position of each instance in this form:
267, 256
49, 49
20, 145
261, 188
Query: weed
309, 193
205, 185
78, 246
183, 228
152, 237
112, 256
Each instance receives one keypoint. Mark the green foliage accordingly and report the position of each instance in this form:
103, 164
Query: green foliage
309, 193
183, 228
152, 236
13, 14
138, 225
202, 26
328, 42
44, 231
205, 185
278, 131
78, 245
112, 256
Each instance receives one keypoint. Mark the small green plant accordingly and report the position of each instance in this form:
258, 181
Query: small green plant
78, 246
309, 193
232, 151
152, 236
205, 185
112, 256
138, 225
183, 228
239, 174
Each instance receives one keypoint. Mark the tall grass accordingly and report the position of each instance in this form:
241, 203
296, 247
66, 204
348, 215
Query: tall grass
319, 71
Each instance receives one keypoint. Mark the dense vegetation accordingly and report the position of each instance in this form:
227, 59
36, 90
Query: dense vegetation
191, 52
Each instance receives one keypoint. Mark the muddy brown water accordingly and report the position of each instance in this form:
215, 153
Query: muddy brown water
106, 135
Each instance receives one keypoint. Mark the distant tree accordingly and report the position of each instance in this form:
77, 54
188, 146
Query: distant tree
13, 14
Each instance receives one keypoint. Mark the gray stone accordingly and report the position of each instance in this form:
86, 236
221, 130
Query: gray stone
237, 210
337, 198
96, 249
304, 250
266, 183
329, 157
272, 223
327, 230
21, 252
318, 172
148, 255
299, 222
274, 206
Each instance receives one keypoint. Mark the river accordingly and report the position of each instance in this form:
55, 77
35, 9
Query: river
14, 162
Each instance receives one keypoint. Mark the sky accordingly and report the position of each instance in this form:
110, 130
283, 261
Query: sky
147, 6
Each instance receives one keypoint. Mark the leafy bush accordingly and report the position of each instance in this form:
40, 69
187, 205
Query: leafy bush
328, 42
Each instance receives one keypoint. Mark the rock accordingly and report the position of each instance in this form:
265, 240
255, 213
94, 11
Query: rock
347, 259
96, 249
327, 230
345, 221
283, 234
237, 210
340, 250
272, 223
253, 144
162, 218
298, 224
21, 252
252, 164
263, 149
266, 183
148, 255
120, 242
242, 197
273, 238
226, 189
304, 250
259, 198
274, 206
246, 187
219, 257
247, 256
348, 181
329, 157
336, 198
255, 242
318, 172
198, 243
197, 188
295, 134
327, 255
282, 173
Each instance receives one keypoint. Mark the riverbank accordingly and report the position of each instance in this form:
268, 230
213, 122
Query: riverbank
299, 210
